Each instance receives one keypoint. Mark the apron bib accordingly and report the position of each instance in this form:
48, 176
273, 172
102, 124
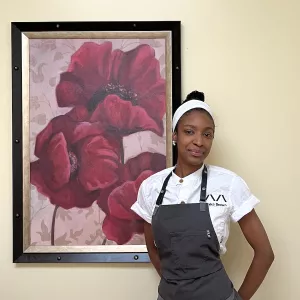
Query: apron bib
188, 248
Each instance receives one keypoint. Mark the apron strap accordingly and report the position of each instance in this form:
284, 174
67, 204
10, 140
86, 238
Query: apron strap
203, 189
160, 198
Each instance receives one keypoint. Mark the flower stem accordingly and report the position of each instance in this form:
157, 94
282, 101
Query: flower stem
53, 225
104, 241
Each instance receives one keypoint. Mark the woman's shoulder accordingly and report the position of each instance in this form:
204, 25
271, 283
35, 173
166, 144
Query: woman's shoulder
216, 171
225, 178
229, 180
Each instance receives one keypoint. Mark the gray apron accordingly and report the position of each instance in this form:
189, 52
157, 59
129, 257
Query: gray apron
188, 247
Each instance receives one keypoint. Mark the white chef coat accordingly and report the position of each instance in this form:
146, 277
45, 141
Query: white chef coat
228, 196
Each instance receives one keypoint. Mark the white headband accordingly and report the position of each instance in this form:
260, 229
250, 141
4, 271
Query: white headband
183, 108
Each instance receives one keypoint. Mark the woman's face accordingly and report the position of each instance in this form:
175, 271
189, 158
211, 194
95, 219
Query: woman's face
194, 137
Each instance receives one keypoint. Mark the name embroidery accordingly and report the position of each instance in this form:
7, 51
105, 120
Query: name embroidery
219, 201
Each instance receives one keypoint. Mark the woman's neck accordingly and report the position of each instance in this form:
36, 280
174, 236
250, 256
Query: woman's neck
183, 170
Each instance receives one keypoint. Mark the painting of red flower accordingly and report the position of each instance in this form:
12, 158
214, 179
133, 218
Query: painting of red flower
96, 72
97, 130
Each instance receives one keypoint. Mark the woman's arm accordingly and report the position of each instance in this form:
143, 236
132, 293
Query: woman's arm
152, 250
256, 236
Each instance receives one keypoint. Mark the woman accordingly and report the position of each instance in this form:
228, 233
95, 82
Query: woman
187, 210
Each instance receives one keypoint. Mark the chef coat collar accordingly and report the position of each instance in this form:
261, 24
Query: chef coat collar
195, 176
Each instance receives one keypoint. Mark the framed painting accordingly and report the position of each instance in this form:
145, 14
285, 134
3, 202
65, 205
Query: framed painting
92, 105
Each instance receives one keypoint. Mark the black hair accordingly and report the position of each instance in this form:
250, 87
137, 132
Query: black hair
196, 95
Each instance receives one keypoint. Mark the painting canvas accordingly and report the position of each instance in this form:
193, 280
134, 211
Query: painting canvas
96, 110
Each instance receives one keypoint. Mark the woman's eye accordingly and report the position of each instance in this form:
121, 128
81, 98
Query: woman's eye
208, 135
188, 131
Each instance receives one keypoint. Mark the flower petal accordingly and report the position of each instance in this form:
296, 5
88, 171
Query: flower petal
154, 100
102, 200
144, 161
87, 73
70, 90
70, 195
122, 198
55, 163
131, 171
137, 69
122, 115
147, 78
99, 161
121, 222
79, 113
72, 131
121, 231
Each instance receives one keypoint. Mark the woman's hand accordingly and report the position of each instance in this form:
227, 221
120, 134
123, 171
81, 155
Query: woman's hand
256, 236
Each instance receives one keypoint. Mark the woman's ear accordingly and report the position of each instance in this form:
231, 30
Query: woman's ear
174, 137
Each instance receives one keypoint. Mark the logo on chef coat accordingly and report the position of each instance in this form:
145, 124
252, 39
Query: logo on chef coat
216, 200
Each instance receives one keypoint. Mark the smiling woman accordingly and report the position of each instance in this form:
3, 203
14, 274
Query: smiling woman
196, 122
187, 210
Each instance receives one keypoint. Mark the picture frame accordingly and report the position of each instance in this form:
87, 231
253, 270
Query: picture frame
92, 106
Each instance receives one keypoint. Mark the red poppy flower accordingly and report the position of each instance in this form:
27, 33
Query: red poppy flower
133, 77
121, 222
71, 160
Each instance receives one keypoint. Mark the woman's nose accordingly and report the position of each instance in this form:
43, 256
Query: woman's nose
198, 140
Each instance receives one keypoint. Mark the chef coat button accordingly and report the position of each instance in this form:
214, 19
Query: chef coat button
181, 180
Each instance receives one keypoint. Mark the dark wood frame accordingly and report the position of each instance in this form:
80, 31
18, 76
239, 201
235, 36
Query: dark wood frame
17, 29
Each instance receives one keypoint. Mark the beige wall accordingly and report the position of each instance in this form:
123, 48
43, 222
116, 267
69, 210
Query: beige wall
245, 55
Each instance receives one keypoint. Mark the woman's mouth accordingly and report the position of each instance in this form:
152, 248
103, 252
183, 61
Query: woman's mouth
196, 153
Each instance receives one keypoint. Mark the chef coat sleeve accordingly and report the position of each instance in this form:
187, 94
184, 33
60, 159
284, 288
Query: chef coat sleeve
242, 200
143, 207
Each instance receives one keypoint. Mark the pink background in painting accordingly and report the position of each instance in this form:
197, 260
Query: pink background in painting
48, 58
